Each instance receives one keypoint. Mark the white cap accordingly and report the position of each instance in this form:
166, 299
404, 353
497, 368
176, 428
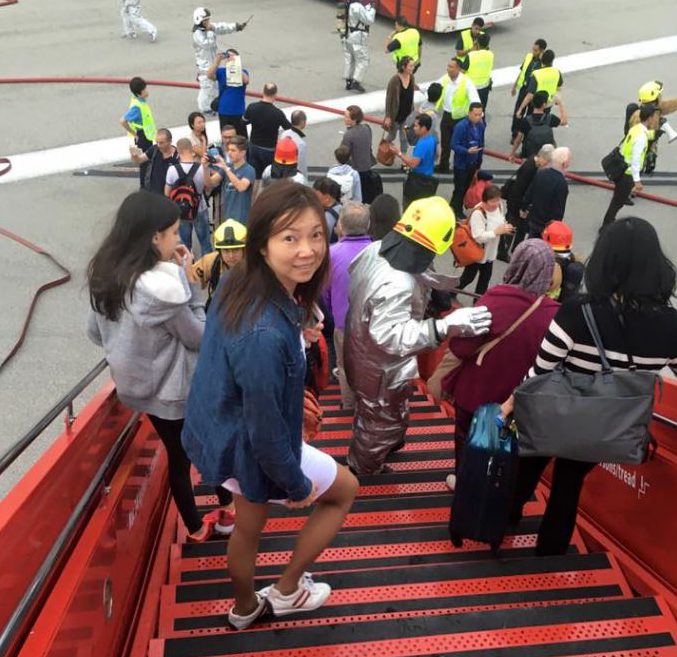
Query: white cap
200, 14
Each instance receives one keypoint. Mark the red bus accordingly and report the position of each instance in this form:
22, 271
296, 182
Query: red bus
449, 15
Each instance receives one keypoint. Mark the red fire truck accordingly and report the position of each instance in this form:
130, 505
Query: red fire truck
449, 15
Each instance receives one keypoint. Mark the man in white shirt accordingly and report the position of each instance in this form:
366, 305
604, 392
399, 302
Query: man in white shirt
298, 125
186, 162
458, 92
633, 149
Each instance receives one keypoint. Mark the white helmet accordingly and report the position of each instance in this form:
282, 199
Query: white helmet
200, 14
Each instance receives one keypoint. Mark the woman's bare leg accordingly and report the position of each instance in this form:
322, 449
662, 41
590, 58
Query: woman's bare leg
320, 529
243, 546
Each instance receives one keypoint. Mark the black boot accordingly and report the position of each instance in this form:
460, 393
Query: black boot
349, 84
357, 86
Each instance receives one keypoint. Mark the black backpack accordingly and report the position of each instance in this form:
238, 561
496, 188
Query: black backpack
540, 133
184, 193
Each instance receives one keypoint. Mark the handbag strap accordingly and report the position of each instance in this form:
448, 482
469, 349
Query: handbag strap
589, 317
492, 343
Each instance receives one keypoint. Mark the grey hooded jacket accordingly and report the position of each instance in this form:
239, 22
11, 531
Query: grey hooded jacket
152, 348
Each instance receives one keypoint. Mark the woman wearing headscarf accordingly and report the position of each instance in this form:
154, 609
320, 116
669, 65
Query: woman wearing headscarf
493, 376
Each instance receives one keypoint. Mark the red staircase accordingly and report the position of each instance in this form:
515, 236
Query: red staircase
399, 587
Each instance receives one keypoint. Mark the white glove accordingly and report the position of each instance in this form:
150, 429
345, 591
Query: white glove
464, 323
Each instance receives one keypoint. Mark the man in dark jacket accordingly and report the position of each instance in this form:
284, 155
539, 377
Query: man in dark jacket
513, 192
546, 198
467, 143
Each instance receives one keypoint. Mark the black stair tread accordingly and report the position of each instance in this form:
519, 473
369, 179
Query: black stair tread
229, 643
368, 505
430, 422
446, 437
355, 538
432, 408
420, 562
416, 574
553, 596
332, 402
387, 479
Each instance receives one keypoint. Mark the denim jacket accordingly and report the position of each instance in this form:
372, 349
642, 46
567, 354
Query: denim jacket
245, 408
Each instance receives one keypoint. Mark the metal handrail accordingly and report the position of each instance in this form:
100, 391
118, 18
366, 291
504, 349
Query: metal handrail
8, 636
20, 446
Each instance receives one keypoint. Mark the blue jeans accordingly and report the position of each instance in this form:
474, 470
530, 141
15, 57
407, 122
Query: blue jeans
201, 225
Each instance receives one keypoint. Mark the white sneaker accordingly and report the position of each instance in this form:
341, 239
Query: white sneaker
451, 482
308, 596
238, 622
153, 36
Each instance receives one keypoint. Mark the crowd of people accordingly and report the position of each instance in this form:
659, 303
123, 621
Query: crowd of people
301, 279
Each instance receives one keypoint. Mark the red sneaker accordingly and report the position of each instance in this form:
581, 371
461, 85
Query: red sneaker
222, 521
204, 533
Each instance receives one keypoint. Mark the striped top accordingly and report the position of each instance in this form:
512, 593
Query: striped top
651, 337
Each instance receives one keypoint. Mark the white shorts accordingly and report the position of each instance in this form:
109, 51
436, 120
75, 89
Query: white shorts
319, 467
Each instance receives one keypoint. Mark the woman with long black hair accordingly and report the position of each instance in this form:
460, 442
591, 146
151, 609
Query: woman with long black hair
245, 410
150, 322
630, 283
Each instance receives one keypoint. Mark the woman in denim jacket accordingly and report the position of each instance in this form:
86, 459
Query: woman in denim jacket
244, 416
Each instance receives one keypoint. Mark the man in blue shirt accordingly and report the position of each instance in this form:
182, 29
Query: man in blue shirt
467, 143
420, 182
233, 81
238, 178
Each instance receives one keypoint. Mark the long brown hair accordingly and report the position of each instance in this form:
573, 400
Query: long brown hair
252, 283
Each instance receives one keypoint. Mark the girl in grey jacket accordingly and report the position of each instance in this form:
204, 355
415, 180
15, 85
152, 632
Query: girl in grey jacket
150, 321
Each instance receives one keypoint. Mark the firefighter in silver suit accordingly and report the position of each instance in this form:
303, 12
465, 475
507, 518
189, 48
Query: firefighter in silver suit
205, 46
390, 282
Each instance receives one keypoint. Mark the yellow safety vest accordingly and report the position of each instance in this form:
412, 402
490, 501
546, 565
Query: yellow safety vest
547, 79
468, 42
460, 101
409, 40
523, 70
467, 39
147, 121
480, 66
629, 143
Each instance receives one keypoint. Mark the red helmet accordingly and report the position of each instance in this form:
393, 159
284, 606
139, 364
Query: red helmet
286, 151
559, 236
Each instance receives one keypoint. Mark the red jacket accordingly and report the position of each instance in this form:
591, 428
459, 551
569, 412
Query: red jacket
509, 361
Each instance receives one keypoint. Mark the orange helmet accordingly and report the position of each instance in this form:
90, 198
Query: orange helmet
286, 151
559, 236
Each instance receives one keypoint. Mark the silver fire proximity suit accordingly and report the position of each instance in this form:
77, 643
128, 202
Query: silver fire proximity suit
384, 331
356, 41
205, 46
133, 21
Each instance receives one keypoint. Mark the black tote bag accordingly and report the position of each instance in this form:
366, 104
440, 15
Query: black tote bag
600, 417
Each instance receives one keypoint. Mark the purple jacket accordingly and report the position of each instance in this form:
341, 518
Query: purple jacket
342, 254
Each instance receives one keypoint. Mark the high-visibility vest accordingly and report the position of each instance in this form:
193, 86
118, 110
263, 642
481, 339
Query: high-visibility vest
468, 42
547, 79
480, 66
629, 143
147, 121
460, 101
521, 79
409, 45
467, 39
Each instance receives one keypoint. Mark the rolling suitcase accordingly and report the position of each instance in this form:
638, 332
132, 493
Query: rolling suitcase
485, 481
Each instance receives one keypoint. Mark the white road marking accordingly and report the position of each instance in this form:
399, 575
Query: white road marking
108, 151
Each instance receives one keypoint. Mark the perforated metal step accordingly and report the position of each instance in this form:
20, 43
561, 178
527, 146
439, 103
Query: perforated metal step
636, 627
